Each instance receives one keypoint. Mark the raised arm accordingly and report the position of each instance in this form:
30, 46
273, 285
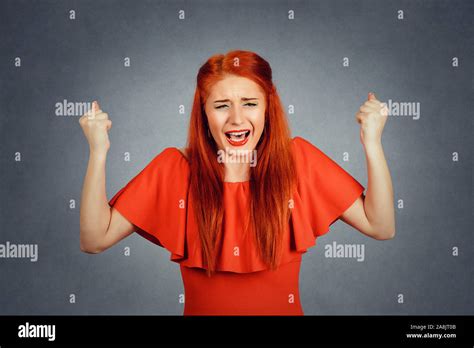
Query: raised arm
374, 214
100, 226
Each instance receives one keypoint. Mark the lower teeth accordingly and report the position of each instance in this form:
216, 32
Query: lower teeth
238, 137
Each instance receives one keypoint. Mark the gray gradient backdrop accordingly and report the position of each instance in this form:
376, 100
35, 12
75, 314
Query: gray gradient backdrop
80, 60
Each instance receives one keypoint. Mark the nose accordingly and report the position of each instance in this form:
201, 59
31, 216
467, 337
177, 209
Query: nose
235, 117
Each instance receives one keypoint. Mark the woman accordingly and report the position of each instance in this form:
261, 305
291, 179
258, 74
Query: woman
243, 201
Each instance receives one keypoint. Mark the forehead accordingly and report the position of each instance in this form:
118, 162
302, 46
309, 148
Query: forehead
235, 86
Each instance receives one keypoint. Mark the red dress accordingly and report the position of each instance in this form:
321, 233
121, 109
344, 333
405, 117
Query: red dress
157, 201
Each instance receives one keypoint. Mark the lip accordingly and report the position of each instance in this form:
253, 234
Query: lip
240, 142
238, 130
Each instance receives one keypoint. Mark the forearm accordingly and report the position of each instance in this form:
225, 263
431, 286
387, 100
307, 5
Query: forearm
95, 210
378, 203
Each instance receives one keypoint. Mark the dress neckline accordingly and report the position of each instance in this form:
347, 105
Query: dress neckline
225, 182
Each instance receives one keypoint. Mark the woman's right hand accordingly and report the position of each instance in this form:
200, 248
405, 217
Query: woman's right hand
95, 123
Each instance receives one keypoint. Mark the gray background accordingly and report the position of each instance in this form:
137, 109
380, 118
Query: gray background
81, 60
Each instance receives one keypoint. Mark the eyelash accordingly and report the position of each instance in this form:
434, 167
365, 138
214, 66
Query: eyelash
220, 107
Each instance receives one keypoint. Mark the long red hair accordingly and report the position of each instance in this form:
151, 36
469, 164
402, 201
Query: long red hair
273, 178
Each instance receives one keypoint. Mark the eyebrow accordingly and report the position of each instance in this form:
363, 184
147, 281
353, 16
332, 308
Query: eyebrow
226, 100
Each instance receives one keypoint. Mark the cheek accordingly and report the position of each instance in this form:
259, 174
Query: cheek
257, 117
214, 121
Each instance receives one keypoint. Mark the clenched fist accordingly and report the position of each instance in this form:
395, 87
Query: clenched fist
372, 116
95, 123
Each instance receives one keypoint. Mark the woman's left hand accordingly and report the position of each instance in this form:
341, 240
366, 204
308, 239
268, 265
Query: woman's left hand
372, 116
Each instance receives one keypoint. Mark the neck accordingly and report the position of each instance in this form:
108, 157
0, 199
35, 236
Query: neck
235, 172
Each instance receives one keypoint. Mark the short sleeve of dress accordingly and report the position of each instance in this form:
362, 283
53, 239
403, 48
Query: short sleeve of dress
325, 189
154, 201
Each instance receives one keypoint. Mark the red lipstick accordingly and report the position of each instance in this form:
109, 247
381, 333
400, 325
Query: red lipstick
238, 137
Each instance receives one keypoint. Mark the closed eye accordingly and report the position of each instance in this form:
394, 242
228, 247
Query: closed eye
221, 106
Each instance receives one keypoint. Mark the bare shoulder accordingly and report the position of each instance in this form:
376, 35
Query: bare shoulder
183, 150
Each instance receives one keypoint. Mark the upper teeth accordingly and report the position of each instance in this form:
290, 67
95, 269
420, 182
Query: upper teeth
237, 134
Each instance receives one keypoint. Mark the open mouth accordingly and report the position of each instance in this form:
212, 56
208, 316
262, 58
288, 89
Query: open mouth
237, 137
